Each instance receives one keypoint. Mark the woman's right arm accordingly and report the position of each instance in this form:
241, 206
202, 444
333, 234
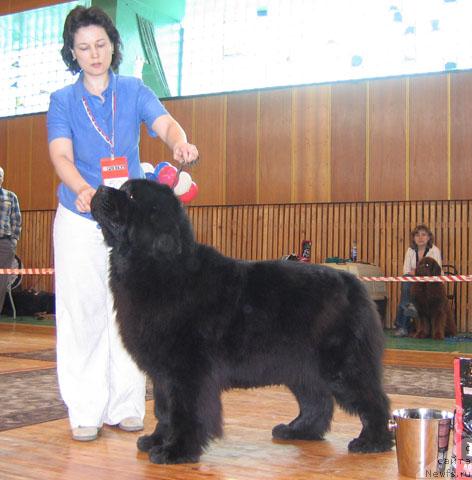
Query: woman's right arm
62, 158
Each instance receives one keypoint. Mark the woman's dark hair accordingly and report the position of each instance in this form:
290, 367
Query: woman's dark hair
83, 17
421, 228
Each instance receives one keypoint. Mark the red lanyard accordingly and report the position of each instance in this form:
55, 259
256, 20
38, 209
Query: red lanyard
110, 141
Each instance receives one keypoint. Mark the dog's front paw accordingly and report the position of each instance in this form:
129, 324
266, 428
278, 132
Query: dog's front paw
161, 455
365, 445
285, 432
146, 442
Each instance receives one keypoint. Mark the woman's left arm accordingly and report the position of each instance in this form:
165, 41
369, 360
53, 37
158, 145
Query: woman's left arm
173, 135
436, 254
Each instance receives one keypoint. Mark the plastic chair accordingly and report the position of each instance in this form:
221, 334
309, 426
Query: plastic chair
14, 281
451, 288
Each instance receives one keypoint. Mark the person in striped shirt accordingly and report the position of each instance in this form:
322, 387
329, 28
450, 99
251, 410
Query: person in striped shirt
10, 229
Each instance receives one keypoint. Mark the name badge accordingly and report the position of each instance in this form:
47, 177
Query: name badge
114, 171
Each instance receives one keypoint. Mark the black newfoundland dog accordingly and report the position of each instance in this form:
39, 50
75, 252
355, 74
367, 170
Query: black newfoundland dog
198, 323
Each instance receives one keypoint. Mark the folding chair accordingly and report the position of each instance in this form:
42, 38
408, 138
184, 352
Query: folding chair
14, 281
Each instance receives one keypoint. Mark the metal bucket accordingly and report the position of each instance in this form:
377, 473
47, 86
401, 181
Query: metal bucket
422, 438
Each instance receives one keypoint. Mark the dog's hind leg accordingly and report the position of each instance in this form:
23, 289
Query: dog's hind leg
316, 411
362, 394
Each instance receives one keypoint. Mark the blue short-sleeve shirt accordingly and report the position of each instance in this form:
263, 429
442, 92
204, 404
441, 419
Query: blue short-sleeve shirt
67, 118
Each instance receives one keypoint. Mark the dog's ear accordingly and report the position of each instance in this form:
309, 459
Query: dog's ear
435, 268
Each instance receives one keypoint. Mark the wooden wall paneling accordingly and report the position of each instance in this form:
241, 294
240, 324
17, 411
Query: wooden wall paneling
269, 223
364, 217
237, 221
272, 229
461, 307
461, 126
241, 147
296, 227
388, 228
251, 232
256, 252
227, 229
277, 247
206, 214
240, 231
221, 229
392, 265
209, 136
358, 230
428, 138
293, 244
153, 150
35, 248
438, 233
452, 230
183, 110
336, 234
311, 131
303, 233
43, 184
232, 231
346, 241
320, 245
291, 247
378, 219
387, 139
275, 149
280, 236
444, 230
245, 233
348, 141
330, 233
219, 234
18, 165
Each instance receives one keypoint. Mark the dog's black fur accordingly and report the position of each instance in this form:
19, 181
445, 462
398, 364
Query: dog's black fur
198, 323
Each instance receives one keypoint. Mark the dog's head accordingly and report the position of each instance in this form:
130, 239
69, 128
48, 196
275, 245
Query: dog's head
142, 216
428, 267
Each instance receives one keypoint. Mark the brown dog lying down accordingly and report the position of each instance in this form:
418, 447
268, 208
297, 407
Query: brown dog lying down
435, 318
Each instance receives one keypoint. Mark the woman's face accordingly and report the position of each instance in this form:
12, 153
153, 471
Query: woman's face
421, 238
93, 50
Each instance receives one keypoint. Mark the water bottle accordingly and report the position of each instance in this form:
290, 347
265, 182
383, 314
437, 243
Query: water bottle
354, 251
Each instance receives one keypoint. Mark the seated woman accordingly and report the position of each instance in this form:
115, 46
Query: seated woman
421, 245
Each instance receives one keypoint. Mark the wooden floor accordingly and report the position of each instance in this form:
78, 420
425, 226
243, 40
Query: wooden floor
247, 451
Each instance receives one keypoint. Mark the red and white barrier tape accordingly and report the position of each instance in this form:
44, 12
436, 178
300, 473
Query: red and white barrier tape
26, 271
439, 278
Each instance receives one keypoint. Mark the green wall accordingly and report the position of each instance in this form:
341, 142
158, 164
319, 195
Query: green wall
123, 13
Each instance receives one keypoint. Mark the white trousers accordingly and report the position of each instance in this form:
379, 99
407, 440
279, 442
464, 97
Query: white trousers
98, 380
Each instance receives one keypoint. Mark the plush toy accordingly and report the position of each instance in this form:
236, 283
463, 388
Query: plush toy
180, 181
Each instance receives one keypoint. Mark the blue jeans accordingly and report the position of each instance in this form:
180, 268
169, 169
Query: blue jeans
403, 320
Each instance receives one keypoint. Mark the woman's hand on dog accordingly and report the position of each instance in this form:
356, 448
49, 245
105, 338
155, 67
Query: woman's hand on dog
84, 197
